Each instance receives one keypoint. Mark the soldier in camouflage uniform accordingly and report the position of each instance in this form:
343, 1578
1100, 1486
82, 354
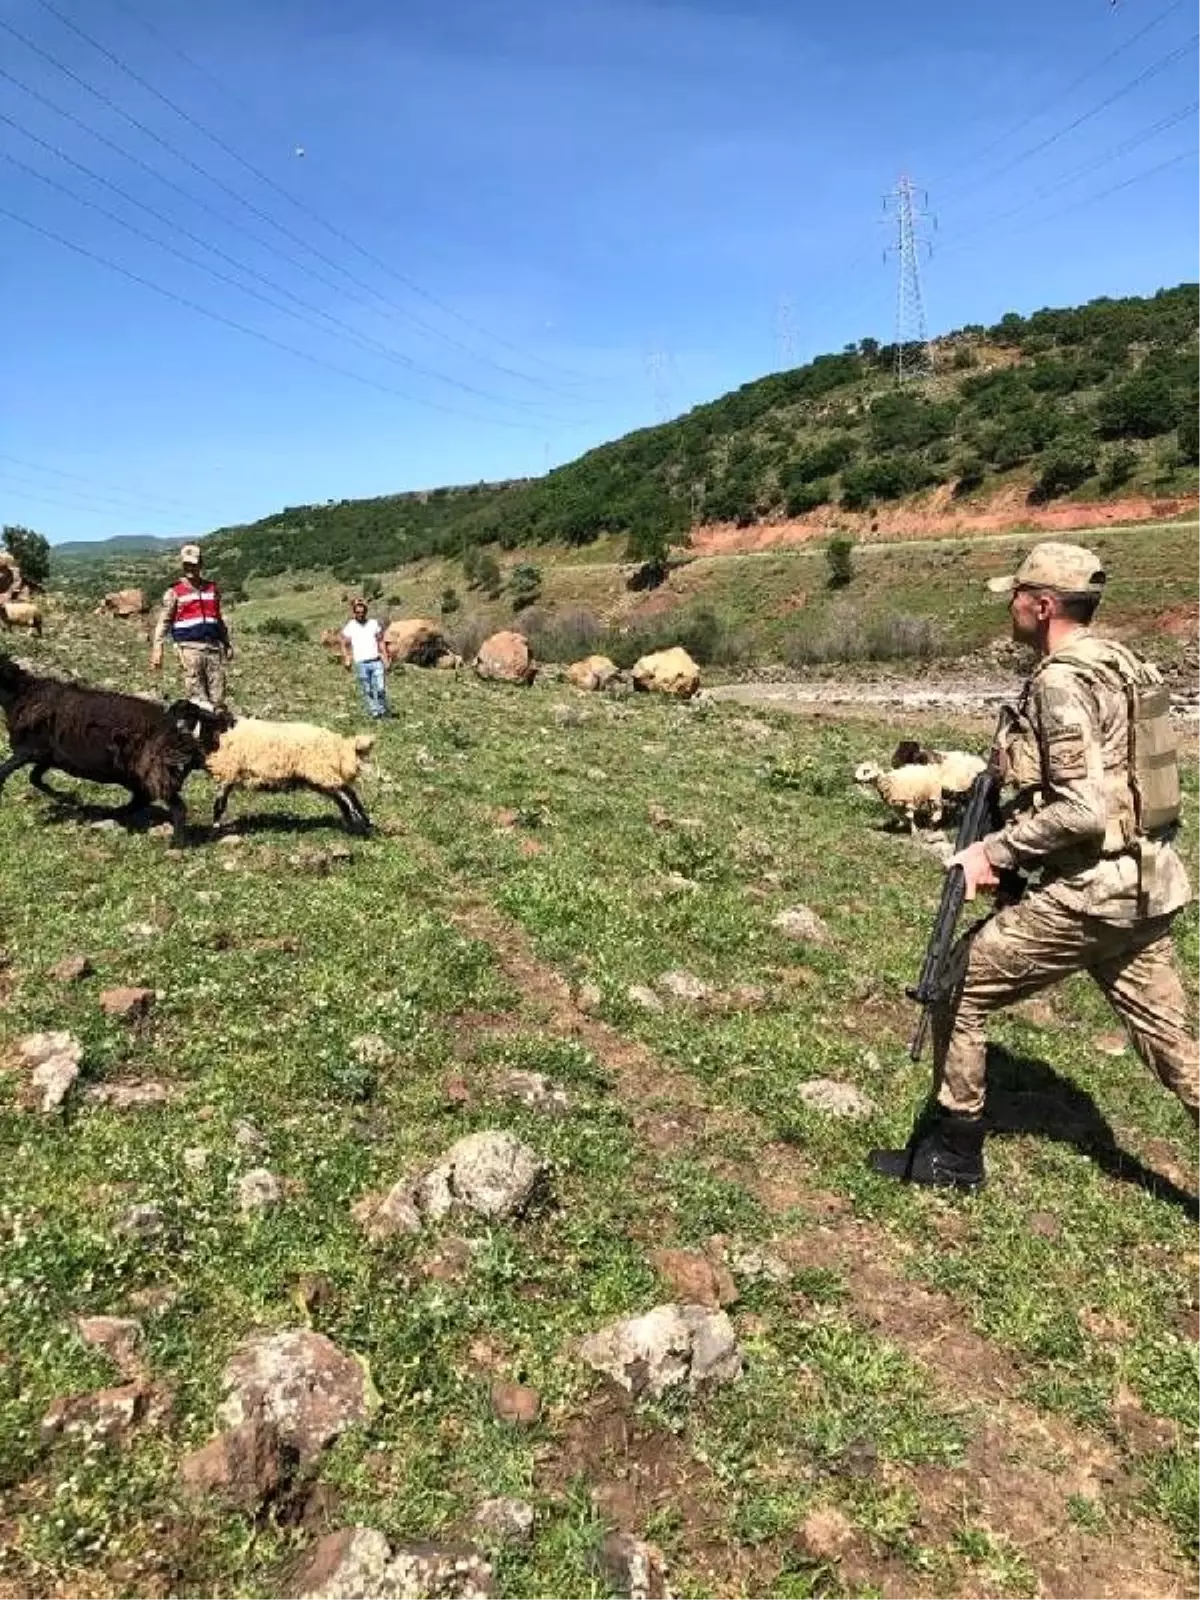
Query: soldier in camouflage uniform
1090, 753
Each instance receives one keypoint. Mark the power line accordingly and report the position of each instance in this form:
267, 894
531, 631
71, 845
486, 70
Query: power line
1085, 116
1081, 170
256, 114
1090, 199
241, 327
269, 182
347, 330
155, 501
1061, 94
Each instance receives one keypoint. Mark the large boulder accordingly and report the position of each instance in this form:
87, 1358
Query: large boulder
125, 603
671, 672
417, 641
302, 1383
506, 658
592, 673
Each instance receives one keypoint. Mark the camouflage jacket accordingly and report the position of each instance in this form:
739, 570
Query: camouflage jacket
1064, 747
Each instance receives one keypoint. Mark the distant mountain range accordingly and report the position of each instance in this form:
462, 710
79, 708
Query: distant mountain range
121, 544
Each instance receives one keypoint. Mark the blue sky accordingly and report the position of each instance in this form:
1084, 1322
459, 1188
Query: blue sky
519, 230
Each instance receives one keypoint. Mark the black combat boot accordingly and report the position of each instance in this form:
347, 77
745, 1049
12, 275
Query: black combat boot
948, 1155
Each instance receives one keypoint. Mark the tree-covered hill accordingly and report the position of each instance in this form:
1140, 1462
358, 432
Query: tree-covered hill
1092, 402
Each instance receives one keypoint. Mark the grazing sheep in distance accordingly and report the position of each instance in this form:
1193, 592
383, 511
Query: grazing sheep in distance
910, 791
959, 768
97, 735
22, 614
250, 752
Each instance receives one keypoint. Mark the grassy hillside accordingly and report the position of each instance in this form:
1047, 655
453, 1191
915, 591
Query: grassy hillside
1094, 401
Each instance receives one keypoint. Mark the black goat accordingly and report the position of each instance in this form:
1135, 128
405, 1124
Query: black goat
99, 736
908, 753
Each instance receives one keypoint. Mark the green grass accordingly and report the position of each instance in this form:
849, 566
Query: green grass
664, 838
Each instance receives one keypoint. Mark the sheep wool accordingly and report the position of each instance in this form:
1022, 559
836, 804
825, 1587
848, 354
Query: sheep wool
270, 755
911, 790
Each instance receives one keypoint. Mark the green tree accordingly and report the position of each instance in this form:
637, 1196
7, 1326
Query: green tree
1143, 407
450, 601
1064, 468
839, 559
31, 552
524, 585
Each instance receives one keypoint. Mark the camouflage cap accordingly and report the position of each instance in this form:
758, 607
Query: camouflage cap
190, 555
1065, 568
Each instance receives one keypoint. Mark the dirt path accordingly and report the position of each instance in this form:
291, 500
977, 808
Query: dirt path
1023, 1467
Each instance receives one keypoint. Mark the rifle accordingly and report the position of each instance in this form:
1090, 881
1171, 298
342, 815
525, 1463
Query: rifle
936, 979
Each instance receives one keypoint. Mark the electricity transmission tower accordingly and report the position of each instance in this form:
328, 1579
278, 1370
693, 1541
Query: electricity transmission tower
785, 334
658, 367
914, 356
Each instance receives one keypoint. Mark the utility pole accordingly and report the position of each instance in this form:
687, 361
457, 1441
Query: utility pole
785, 334
657, 363
905, 203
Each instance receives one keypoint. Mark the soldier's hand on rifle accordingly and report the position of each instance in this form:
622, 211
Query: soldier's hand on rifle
978, 871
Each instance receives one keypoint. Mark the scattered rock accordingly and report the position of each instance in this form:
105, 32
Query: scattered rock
506, 658
105, 825
492, 1173
417, 641
71, 969
143, 1221
126, 1004
589, 998
693, 1278
247, 1137
359, 1561
302, 1383
384, 1216
671, 672
633, 1567
125, 603
1045, 1225
753, 1264
642, 995
102, 1415
535, 1090
684, 986
141, 930
130, 1094
54, 1059
670, 1345
258, 1190
371, 1049
456, 1091
838, 1099
239, 1470
804, 925
826, 1533
593, 673
196, 1157
118, 1337
516, 1402
345, 1565
504, 1518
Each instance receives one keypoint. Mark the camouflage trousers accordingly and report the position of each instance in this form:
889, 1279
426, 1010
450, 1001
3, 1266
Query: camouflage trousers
203, 672
1037, 942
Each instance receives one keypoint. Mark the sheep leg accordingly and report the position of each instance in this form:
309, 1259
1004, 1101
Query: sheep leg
220, 803
138, 801
178, 819
345, 800
360, 818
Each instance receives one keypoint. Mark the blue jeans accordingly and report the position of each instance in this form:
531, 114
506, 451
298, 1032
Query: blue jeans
370, 681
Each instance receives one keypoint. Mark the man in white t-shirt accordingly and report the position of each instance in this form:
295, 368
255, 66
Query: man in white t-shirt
363, 648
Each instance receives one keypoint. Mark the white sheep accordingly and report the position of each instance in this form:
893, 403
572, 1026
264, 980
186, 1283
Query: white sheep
250, 752
959, 769
22, 614
910, 791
